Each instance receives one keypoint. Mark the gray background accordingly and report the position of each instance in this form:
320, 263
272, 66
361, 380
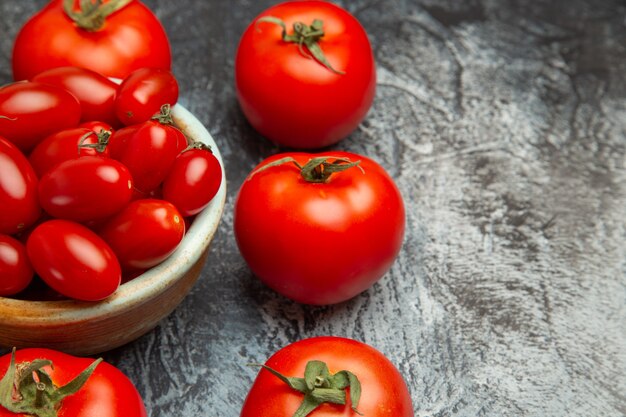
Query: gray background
503, 124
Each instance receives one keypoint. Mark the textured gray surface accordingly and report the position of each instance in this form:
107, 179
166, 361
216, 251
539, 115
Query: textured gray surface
503, 123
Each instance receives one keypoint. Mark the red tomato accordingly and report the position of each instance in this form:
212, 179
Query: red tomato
128, 39
142, 94
298, 101
107, 392
15, 269
193, 181
150, 153
73, 260
85, 189
30, 111
119, 139
383, 390
98, 126
95, 92
319, 242
19, 204
65, 145
145, 233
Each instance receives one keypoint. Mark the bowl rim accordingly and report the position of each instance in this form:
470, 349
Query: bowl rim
155, 280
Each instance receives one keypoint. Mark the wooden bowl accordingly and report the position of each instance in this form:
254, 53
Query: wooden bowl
87, 328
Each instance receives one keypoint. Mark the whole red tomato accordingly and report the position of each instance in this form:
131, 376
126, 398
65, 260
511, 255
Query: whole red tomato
19, 204
73, 260
142, 94
65, 145
354, 375
315, 235
30, 111
293, 97
95, 92
144, 233
113, 45
193, 180
15, 269
107, 392
85, 189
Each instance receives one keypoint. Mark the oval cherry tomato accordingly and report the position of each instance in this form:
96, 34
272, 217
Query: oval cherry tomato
119, 139
193, 181
128, 39
150, 153
107, 392
15, 269
85, 189
30, 111
144, 233
350, 365
294, 99
95, 92
19, 204
319, 242
142, 94
65, 145
73, 260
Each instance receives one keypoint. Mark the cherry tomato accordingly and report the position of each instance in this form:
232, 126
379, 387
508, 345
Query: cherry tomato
319, 242
113, 45
150, 153
144, 233
142, 94
15, 269
85, 189
30, 111
73, 260
350, 365
119, 139
97, 126
107, 392
193, 181
95, 92
19, 204
65, 145
291, 97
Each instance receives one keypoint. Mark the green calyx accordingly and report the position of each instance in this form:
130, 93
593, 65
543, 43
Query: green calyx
319, 387
164, 116
304, 36
316, 170
92, 15
26, 388
100, 145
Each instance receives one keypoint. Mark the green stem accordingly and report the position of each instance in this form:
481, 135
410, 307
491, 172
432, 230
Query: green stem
164, 116
316, 170
91, 15
100, 145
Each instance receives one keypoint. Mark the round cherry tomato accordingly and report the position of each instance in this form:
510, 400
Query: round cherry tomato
30, 111
95, 92
15, 270
73, 260
142, 94
85, 189
19, 204
65, 145
334, 366
150, 153
193, 181
324, 238
144, 233
113, 45
293, 98
107, 392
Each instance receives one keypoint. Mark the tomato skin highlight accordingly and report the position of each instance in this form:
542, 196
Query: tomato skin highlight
384, 391
19, 202
73, 260
15, 269
131, 38
144, 233
294, 100
95, 92
319, 243
31, 111
107, 392
85, 189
